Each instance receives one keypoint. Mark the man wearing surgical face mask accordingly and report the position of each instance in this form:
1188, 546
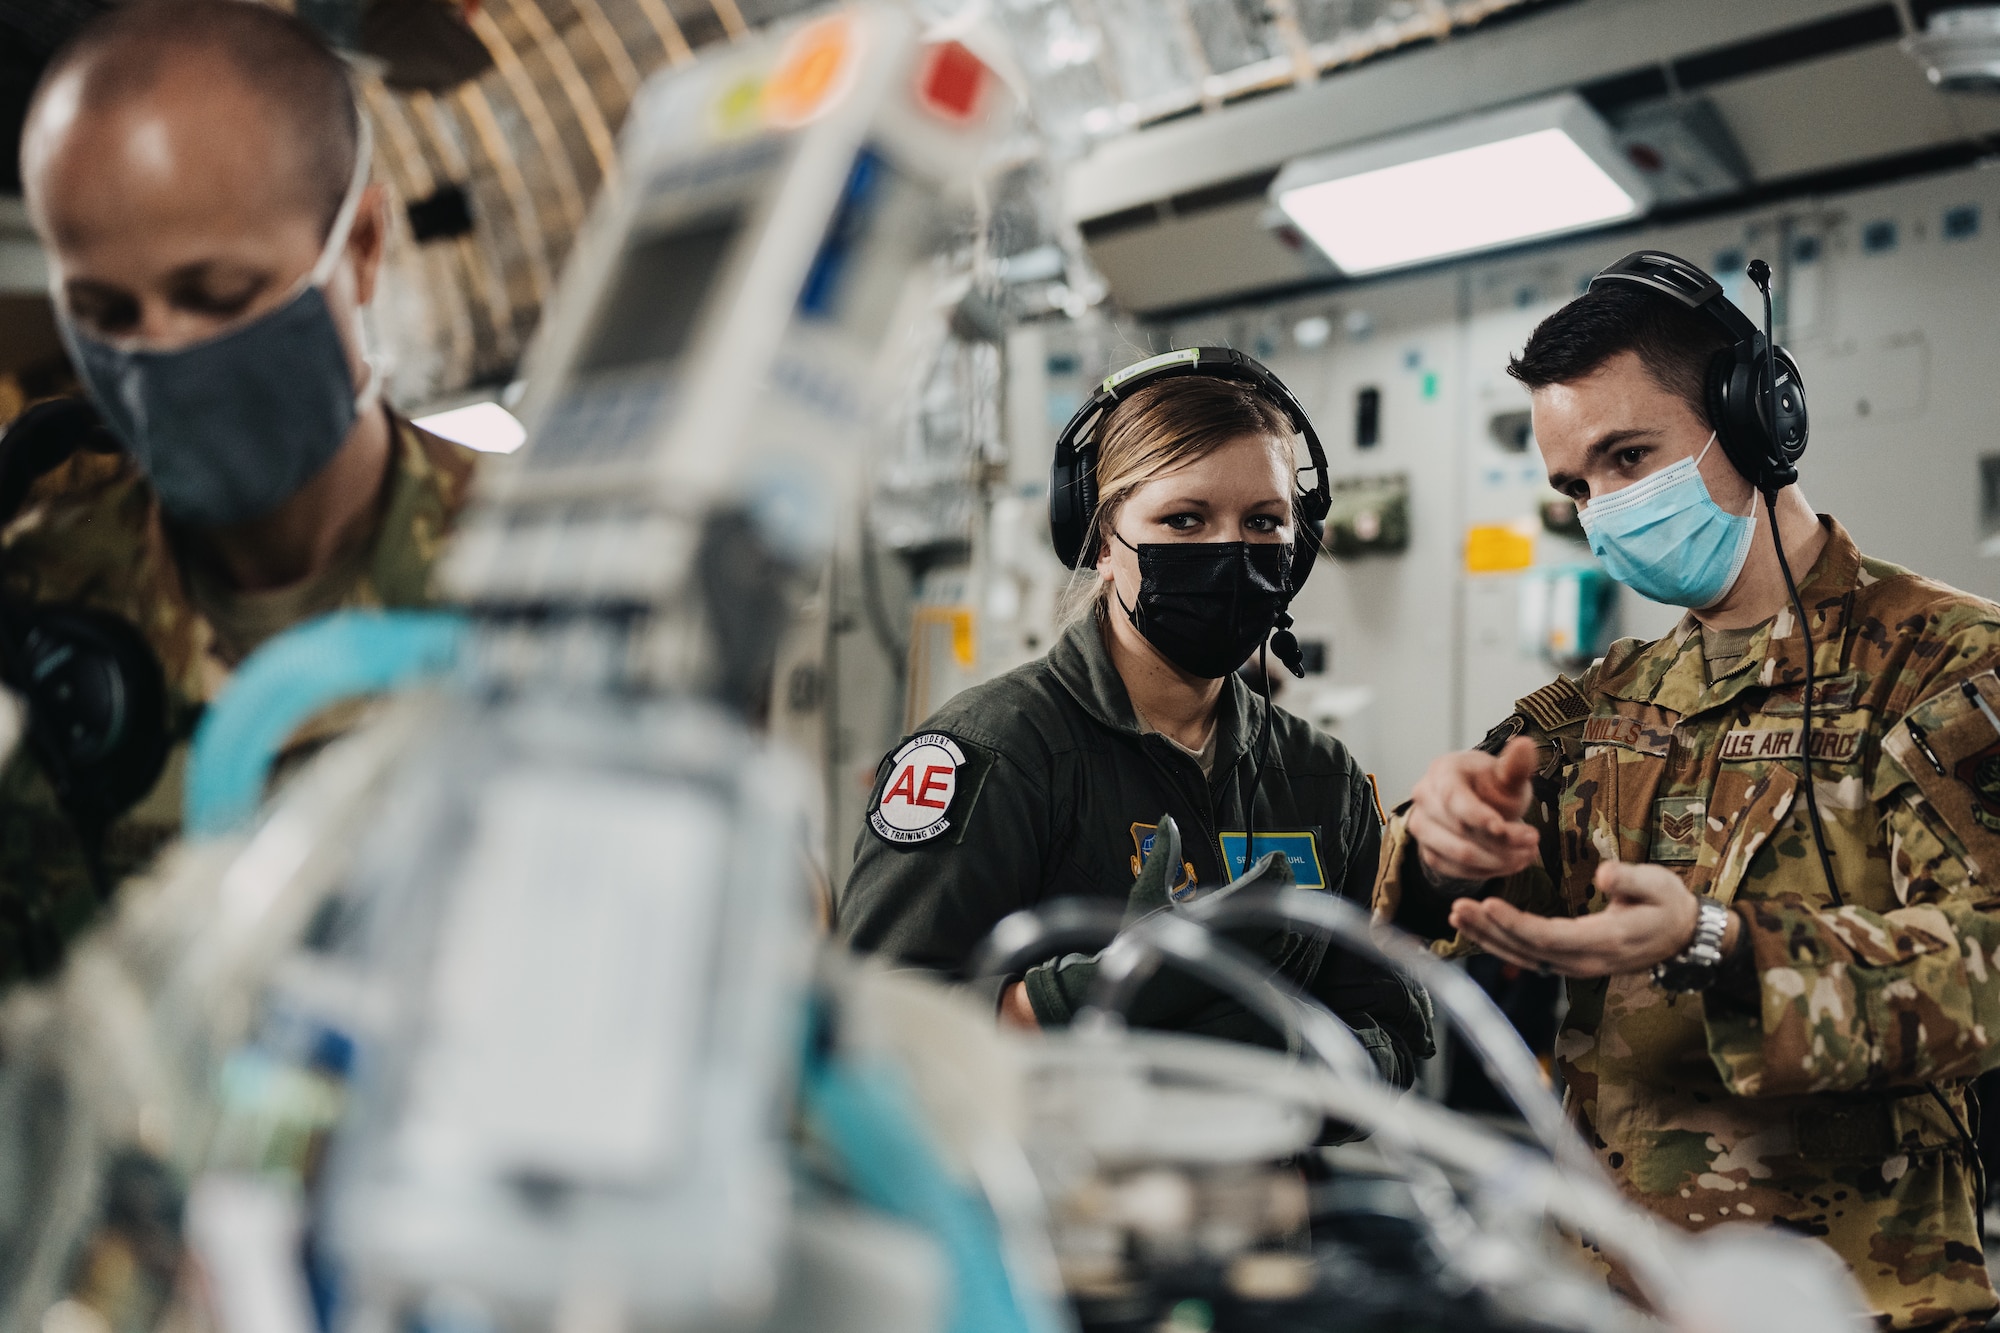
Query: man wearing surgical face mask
1754, 1033
199, 174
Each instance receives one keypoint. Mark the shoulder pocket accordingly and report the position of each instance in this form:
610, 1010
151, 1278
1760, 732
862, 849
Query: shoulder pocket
1949, 746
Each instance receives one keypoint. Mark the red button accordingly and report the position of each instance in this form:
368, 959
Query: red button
952, 81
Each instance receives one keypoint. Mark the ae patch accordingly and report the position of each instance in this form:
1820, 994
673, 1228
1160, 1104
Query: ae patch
915, 801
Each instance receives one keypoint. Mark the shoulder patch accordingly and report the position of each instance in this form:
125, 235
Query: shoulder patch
1556, 705
1495, 740
914, 804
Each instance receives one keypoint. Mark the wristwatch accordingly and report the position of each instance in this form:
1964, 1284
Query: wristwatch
1696, 967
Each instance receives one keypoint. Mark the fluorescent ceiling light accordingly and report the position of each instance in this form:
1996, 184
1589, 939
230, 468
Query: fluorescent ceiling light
1528, 172
487, 427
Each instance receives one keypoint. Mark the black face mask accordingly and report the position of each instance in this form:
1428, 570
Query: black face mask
1208, 605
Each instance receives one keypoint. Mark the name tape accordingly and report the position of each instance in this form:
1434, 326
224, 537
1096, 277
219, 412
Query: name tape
1783, 743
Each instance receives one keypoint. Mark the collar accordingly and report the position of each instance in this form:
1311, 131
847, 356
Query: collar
1670, 673
422, 492
1082, 665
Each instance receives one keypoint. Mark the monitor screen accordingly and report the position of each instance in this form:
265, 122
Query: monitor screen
658, 293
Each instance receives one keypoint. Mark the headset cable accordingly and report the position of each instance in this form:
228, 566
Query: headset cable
1760, 274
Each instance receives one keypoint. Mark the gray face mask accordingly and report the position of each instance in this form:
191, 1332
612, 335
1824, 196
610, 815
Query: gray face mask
232, 427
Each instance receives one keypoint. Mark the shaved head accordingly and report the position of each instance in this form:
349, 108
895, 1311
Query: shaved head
161, 50
184, 162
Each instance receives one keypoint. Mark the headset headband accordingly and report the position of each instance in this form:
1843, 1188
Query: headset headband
1691, 287
1749, 387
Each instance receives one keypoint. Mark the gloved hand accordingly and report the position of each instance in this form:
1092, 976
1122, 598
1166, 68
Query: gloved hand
1058, 989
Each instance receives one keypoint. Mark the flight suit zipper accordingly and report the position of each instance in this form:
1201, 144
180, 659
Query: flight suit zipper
1174, 765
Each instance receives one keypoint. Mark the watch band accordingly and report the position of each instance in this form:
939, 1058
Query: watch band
1696, 967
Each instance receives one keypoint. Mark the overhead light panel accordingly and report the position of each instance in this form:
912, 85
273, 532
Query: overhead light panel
485, 426
1540, 169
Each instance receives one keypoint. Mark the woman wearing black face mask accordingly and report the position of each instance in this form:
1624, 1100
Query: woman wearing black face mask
1058, 778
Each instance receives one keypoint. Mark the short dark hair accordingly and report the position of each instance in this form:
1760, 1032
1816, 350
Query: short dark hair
283, 60
1673, 343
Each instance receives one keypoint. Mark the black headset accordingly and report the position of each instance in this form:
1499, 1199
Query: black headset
94, 691
1073, 477
1763, 438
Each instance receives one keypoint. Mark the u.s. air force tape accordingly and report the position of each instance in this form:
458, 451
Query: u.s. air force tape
923, 778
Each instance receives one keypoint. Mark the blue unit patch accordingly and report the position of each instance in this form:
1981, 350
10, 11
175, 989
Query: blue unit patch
1301, 849
1142, 841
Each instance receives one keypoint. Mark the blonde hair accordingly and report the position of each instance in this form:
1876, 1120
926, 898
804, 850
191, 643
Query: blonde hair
1160, 428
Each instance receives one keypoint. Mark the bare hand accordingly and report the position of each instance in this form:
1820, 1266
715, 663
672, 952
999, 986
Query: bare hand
1650, 917
1015, 1011
1465, 813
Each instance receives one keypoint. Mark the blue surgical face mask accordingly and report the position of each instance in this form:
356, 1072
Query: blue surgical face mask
231, 427
1666, 538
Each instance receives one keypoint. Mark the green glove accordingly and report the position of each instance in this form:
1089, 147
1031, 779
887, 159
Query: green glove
1059, 988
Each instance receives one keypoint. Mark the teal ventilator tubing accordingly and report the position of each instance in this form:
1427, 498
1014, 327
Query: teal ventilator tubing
866, 1114
342, 656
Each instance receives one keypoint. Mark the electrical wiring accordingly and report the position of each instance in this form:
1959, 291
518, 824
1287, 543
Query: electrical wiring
1134, 956
1504, 1179
1477, 1019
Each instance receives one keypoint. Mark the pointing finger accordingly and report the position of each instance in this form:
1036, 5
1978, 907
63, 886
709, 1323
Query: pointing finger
1506, 783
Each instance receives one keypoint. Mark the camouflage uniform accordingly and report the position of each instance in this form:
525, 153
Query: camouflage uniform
1802, 1096
91, 533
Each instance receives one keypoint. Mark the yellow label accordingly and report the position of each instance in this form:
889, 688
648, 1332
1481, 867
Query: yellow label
958, 621
961, 638
1496, 548
739, 108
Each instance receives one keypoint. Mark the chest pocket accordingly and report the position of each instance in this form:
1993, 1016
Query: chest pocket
1606, 814
1757, 807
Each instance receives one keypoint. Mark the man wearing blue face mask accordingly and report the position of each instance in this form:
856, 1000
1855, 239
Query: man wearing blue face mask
199, 174
1758, 847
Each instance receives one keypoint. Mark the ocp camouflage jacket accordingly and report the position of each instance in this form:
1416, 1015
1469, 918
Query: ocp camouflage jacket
91, 533
1812, 1108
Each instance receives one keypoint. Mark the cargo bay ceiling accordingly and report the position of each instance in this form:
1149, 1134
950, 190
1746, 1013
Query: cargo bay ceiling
497, 119
1735, 103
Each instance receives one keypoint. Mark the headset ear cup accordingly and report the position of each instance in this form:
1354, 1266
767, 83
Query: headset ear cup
97, 706
1794, 424
1305, 552
1062, 512
1730, 382
1086, 486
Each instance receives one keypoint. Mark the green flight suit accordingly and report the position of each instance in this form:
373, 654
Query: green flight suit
1043, 786
1806, 1104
